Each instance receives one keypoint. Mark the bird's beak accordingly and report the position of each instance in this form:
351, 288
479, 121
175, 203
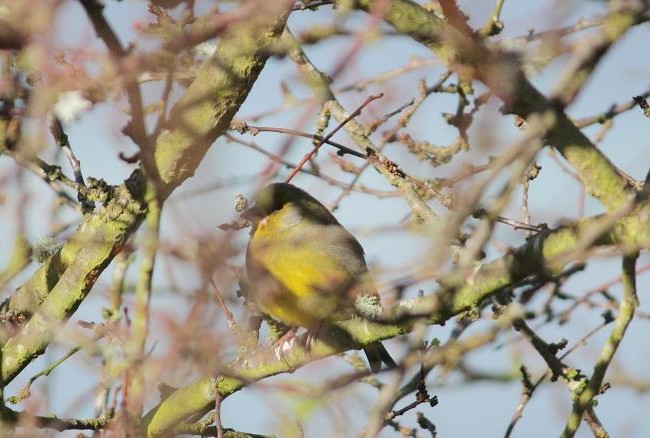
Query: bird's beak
253, 214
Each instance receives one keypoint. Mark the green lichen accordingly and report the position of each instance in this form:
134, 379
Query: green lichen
221, 85
77, 265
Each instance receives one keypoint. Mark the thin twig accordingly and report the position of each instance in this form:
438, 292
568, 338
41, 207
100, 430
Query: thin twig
401, 123
521, 225
136, 128
597, 428
362, 85
527, 393
383, 119
494, 25
342, 149
222, 304
49, 174
278, 159
54, 422
612, 112
25, 392
217, 415
141, 318
311, 153
62, 140
525, 211
581, 24
584, 299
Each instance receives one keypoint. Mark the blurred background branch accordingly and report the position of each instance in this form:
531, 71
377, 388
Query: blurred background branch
450, 102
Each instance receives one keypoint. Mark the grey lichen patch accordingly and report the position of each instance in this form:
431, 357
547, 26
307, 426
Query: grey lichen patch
240, 203
44, 248
368, 306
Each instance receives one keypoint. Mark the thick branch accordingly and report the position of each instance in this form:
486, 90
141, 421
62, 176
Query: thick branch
214, 97
501, 73
200, 116
462, 290
84, 256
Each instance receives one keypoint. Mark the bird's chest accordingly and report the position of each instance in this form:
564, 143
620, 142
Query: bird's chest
302, 278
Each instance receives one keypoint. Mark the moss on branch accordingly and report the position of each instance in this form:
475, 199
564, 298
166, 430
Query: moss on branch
221, 85
97, 239
543, 256
201, 115
471, 58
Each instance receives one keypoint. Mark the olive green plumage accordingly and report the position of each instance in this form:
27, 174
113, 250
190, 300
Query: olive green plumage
303, 267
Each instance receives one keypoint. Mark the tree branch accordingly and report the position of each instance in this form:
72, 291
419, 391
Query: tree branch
471, 58
222, 83
584, 397
75, 269
461, 291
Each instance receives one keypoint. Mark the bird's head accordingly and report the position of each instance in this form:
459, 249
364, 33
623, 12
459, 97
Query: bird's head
290, 202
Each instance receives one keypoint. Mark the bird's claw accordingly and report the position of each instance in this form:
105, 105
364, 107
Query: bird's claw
284, 344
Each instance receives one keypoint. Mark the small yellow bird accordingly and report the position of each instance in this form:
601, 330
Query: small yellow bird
303, 267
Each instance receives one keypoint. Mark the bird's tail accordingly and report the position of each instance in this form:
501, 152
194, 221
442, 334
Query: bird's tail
377, 354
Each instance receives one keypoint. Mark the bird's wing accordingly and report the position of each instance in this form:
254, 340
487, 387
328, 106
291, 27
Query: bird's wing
326, 259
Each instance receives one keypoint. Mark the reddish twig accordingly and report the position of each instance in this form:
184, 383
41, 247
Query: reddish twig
331, 134
222, 304
455, 16
217, 415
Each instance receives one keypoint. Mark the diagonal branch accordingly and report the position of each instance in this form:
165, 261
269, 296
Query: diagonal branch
77, 266
629, 303
59, 286
94, 10
221, 85
461, 291
500, 72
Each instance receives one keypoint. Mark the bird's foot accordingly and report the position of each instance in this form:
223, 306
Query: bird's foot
287, 341
284, 343
311, 336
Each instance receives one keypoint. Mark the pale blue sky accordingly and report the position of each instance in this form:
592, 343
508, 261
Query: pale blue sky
477, 410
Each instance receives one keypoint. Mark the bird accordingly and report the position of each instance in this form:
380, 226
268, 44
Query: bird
303, 267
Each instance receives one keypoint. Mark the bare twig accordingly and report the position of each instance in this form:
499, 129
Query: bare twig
612, 112
494, 25
342, 149
136, 128
341, 124
217, 415
54, 422
62, 140
530, 388
222, 304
